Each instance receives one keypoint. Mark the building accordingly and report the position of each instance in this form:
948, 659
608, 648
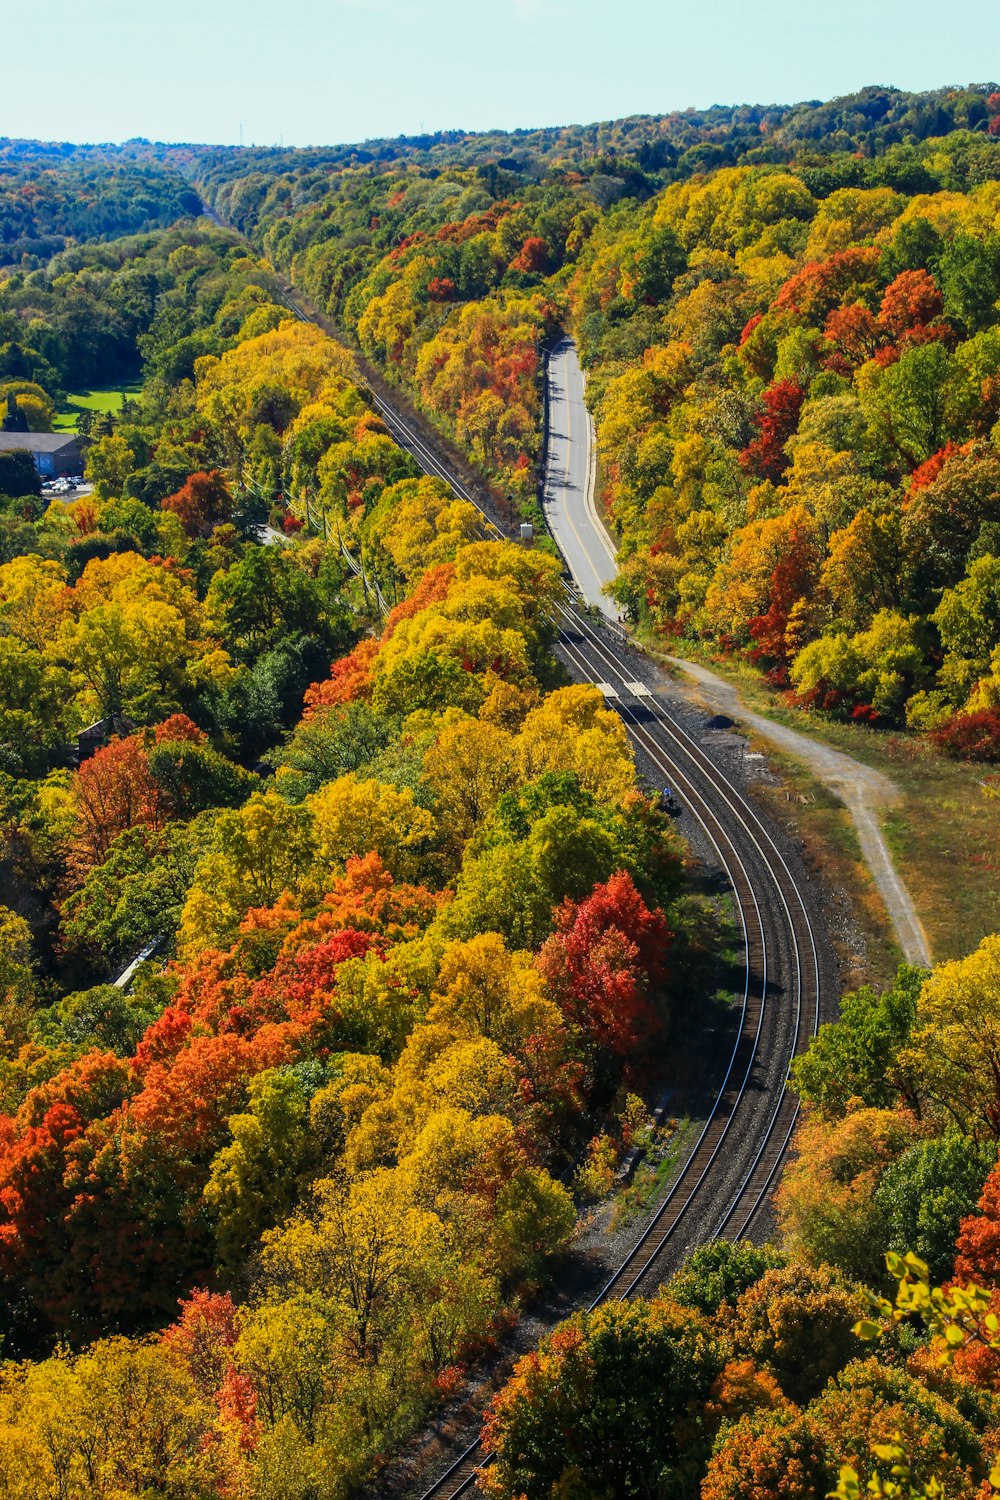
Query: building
54, 453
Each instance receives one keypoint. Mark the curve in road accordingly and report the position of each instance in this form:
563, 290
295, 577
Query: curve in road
571, 515
568, 494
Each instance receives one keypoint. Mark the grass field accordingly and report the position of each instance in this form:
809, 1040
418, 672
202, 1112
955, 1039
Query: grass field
106, 400
944, 833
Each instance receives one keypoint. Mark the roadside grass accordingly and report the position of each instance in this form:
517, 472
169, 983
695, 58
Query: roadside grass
101, 399
944, 833
857, 920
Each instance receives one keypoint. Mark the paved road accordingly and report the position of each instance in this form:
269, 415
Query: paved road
573, 520
569, 484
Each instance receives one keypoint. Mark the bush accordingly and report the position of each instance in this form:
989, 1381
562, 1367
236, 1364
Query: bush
974, 736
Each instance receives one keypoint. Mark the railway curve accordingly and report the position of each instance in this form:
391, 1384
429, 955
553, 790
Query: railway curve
724, 1184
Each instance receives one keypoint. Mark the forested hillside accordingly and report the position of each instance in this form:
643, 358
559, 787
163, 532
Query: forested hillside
793, 351
48, 201
405, 948
416, 922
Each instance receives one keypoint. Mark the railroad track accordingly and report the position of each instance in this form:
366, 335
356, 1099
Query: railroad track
779, 1011
729, 1173
749, 1126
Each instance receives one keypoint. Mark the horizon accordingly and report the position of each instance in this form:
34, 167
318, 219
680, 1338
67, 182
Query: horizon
812, 101
381, 69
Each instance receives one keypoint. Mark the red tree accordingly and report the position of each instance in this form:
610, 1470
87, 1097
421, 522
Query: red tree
203, 1336
441, 289
854, 331
41, 1162
602, 960
792, 579
911, 301
765, 456
201, 503
928, 471
533, 256
114, 791
350, 678
978, 1249
823, 285
179, 729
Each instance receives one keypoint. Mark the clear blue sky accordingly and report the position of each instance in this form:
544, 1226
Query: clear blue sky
328, 71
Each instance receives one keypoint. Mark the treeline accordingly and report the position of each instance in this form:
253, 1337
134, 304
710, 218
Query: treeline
415, 919
669, 147
761, 1373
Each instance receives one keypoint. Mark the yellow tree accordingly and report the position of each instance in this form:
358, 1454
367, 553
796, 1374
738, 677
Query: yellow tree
483, 989
571, 730
469, 766
354, 817
955, 1046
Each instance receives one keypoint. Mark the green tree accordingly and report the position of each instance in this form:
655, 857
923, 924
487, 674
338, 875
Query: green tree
109, 463
254, 1180
331, 742
640, 1368
968, 619
194, 778
18, 475
859, 1055
924, 1196
721, 1272
266, 597
103, 1017
969, 271
135, 894
907, 404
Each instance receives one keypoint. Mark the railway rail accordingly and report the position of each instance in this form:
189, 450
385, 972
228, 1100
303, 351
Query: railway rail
779, 1011
780, 1005
726, 1180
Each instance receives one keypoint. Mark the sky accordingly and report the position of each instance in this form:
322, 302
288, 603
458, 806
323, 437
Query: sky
334, 71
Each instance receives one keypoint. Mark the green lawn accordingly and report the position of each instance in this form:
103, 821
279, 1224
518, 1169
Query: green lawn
107, 399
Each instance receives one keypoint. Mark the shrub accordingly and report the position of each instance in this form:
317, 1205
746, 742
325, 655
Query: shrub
974, 736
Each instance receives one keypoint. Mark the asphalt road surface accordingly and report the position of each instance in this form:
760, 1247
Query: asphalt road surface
568, 500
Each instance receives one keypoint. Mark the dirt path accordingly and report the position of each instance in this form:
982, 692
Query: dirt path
862, 790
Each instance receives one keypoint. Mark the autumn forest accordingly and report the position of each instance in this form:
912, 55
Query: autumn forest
364, 995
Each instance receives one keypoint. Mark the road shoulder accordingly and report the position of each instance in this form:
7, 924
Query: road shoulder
864, 791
